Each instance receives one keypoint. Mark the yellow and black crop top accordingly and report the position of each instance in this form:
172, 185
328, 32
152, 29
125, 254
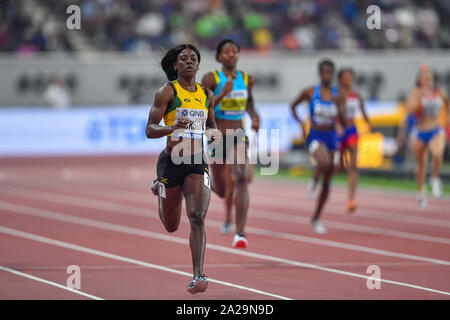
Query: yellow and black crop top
189, 105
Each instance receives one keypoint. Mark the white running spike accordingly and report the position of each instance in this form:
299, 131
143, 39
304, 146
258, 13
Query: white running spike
319, 228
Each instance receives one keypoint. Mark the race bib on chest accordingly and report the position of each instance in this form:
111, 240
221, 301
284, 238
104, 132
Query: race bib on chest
325, 114
431, 107
197, 122
351, 107
234, 102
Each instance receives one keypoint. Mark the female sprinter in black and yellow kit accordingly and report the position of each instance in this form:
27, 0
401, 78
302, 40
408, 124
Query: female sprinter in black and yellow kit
232, 98
182, 170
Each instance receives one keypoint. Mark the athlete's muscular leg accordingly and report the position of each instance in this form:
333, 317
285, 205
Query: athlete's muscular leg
420, 153
437, 147
169, 208
218, 183
317, 172
250, 172
352, 172
197, 196
324, 160
240, 182
229, 192
343, 161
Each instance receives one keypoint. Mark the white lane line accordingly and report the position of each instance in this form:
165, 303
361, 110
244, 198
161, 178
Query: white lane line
133, 173
125, 209
66, 174
31, 236
264, 265
297, 190
300, 195
331, 207
275, 216
398, 195
340, 210
169, 238
334, 244
255, 213
29, 276
285, 203
391, 195
67, 245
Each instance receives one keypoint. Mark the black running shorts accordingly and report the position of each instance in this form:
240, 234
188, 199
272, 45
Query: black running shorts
172, 175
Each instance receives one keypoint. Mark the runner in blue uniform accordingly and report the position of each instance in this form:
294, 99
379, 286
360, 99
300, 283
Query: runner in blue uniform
325, 107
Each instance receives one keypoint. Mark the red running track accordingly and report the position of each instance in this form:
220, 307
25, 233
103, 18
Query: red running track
97, 213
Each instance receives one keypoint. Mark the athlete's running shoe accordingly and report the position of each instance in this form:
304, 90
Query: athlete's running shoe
351, 205
227, 227
422, 197
312, 187
318, 227
239, 241
436, 187
199, 284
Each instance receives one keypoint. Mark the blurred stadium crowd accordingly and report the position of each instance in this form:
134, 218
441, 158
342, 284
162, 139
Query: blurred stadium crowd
29, 26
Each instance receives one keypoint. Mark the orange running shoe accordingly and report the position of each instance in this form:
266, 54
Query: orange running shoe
351, 205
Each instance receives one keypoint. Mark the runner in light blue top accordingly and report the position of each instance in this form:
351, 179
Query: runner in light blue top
233, 105
232, 97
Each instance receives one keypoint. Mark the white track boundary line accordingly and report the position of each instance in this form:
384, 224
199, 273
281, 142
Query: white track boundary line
405, 196
333, 208
334, 244
340, 210
299, 190
238, 265
164, 237
256, 213
277, 203
29, 276
67, 245
277, 216
372, 197
125, 209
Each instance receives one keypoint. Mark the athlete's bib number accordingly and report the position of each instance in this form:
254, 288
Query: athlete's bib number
234, 102
197, 122
325, 114
351, 108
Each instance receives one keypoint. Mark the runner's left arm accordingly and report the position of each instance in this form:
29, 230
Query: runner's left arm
251, 110
447, 104
362, 105
340, 103
211, 127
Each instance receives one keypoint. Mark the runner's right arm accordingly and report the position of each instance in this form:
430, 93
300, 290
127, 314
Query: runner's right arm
163, 98
304, 95
412, 104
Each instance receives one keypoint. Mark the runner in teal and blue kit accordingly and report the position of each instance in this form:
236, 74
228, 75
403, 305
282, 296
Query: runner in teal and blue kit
233, 97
